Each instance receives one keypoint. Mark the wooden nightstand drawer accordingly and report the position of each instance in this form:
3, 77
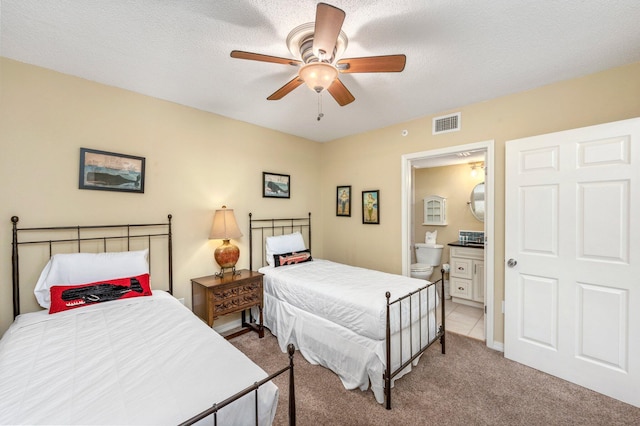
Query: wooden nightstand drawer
234, 304
213, 297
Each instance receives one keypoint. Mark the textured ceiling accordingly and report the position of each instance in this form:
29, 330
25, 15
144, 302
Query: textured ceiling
458, 52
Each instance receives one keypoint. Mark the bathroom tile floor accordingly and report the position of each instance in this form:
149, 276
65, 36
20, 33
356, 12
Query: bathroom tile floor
464, 319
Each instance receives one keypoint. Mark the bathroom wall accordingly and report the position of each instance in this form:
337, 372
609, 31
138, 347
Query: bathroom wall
455, 183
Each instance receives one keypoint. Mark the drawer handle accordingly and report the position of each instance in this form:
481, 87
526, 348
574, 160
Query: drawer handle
460, 268
460, 288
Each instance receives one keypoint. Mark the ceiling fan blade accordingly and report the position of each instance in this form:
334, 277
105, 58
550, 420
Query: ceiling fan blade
238, 54
340, 93
286, 89
389, 63
329, 21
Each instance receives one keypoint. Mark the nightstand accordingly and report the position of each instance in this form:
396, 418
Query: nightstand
213, 297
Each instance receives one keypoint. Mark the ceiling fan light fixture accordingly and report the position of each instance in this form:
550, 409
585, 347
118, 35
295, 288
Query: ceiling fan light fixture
318, 75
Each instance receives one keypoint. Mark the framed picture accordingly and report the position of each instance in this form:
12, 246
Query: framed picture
343, 201
108, 171
276, 185
371, 207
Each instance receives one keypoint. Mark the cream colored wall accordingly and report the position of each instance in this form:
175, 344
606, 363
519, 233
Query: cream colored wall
45, 117
195, 162
372, 160
455, 183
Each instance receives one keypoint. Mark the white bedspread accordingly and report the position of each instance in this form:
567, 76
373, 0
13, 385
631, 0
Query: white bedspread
145, 360
346, 295
335, 315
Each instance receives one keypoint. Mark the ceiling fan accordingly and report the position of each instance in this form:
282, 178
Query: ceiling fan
318, 48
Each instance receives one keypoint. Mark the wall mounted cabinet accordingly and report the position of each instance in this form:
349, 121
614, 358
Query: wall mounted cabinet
435, 210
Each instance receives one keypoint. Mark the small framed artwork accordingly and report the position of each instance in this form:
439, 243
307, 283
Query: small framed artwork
108, 171
343, 201
371, 207
275, 185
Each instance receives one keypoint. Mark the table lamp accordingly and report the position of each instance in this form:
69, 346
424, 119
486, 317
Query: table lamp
224, 228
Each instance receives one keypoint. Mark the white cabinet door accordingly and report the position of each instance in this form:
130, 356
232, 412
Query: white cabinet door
435, 210
572, 300
478, 281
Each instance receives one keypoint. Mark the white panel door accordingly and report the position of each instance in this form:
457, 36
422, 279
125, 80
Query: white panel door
572, 248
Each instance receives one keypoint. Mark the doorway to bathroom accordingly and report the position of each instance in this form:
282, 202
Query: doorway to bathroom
463, 157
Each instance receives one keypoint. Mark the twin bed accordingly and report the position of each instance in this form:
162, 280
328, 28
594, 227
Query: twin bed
149, 360
367, 326
132, 360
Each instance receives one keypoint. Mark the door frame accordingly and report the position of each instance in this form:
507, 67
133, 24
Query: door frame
408, 161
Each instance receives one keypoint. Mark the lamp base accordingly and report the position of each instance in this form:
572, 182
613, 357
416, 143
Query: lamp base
221, 273
226, 256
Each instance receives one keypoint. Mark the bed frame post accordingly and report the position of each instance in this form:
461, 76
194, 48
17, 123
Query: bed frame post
250, 243
442, 338
292, 391
309, 221
387, 372
15, 274
170, 243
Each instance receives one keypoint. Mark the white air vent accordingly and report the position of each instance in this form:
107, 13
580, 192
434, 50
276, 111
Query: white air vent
446, 123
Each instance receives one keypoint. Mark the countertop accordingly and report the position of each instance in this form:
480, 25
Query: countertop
467, 244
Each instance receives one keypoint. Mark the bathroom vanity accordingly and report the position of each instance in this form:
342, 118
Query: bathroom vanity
466, 276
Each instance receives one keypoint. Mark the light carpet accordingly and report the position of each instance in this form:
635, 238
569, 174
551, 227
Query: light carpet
470, 385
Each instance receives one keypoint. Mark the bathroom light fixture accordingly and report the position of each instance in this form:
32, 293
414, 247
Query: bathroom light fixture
224, 228
475, 167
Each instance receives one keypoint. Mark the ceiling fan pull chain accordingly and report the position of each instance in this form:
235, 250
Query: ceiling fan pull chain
320, 114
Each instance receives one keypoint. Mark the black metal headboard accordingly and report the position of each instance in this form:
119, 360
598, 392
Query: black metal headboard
275, 226
83, 234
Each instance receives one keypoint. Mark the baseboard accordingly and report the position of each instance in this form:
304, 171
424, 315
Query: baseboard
496, 346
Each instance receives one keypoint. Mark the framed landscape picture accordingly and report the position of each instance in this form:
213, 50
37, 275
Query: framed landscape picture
343, 201
276, 185
371, 207
108, 171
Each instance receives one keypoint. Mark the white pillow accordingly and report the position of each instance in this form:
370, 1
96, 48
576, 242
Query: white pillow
84, 268
283, 244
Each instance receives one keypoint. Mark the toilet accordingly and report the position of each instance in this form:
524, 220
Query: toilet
428, 256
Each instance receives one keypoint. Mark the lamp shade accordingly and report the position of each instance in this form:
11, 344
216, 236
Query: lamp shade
224, 225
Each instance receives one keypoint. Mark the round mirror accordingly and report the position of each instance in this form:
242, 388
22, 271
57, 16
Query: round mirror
476, 202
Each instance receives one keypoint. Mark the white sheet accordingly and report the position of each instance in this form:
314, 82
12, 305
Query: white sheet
322, 308
145, 360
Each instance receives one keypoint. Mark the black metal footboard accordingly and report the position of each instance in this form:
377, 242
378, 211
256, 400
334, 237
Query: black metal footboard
422, 346
254, 388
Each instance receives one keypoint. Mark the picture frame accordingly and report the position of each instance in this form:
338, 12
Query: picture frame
343, 200
371, 207
110, 171
275, 185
